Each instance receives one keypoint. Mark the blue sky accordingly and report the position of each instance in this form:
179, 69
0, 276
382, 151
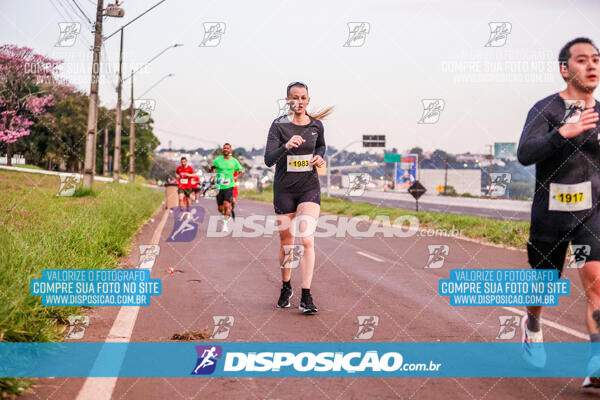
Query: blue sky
414, 50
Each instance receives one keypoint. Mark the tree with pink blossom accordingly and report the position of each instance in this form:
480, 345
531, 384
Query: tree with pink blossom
25, 78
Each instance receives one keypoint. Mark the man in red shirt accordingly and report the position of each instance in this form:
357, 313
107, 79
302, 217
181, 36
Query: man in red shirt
184, 185
236, 174
195, 189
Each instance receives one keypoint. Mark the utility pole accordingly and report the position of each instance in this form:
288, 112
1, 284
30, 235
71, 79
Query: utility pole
446, 175
92, 127
105, 154
131, 136
94, 152
119, 116
490, 168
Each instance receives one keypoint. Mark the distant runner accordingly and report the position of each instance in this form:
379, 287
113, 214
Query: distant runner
236, 174
225, 166
184, 186
195, 180
296, 145
561, 138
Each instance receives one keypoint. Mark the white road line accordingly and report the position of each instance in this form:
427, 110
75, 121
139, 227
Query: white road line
552, 324
369, 256
121, 330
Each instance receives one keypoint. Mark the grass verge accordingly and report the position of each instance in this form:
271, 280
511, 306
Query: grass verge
92, 229
507, 233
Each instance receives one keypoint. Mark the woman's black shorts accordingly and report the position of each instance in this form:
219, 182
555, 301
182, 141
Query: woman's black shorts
287, 203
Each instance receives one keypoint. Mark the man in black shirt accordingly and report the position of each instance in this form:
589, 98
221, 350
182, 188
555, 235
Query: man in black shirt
561, 138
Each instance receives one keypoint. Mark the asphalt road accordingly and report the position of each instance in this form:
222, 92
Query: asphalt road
383, 277
494, 213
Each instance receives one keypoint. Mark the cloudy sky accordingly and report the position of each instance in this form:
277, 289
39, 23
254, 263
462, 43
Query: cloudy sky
412, 51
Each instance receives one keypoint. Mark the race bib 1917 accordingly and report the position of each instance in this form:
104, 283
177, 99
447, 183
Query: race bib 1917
570, 197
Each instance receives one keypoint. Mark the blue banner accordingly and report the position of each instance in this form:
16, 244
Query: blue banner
503, 287
222, 359
95, 287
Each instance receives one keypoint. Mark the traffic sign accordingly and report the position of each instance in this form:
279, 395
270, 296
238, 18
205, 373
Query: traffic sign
373, 140
440, 188
392, 158
417, 190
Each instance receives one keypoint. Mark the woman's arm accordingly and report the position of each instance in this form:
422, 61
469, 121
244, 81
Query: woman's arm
275, 148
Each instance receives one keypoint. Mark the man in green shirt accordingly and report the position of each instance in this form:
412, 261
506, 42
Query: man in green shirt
225, 165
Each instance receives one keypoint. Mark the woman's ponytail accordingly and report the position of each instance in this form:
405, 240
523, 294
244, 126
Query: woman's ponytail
322, 113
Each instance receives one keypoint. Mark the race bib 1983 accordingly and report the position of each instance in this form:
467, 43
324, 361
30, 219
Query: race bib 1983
570, 197
299, 163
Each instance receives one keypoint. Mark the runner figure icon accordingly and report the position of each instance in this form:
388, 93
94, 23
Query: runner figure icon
207, 361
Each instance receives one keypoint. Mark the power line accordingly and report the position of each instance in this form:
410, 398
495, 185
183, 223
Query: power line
84, 14
187, 136
57, 10
70, 17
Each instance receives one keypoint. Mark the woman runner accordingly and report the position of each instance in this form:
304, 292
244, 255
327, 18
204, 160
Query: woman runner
296, 145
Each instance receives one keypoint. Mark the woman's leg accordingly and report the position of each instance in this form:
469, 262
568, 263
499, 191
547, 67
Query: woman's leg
286, 239
307, 215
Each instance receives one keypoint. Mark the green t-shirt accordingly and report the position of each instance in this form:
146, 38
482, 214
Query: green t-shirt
225, 169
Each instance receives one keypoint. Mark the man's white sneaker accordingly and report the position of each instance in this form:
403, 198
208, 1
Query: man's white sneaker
593, 370
533, 346
591, 382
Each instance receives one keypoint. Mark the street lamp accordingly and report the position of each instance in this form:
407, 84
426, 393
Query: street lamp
113, 10
152, 87
117, 155
132, 127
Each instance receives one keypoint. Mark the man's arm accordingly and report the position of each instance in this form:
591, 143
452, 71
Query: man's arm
539, 139
238, 167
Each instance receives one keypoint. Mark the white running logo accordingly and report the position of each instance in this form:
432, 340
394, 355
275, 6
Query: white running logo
206, 361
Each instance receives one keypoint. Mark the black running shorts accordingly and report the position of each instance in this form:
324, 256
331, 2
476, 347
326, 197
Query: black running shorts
551, 254
187, 192
287, 203
225, 195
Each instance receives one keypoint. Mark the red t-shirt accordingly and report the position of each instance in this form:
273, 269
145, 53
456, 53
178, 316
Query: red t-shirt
184, 182
195, 181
